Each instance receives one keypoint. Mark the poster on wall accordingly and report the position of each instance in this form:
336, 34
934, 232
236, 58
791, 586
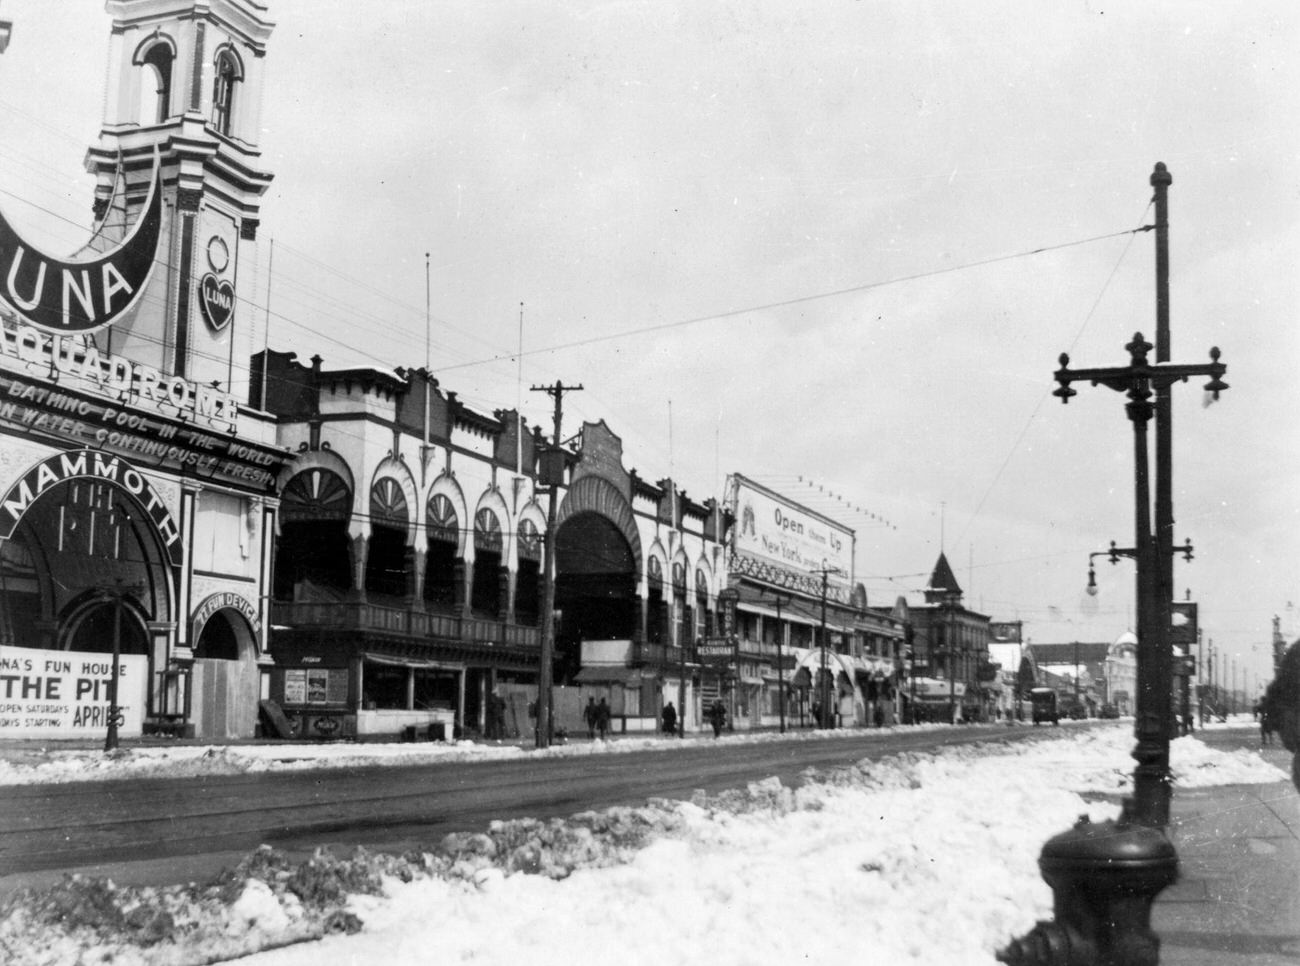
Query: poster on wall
788, 545
64, 694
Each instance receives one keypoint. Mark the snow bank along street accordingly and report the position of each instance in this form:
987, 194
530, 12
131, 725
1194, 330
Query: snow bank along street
865, 858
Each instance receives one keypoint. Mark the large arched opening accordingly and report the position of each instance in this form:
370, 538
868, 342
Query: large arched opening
84, 564
595, 587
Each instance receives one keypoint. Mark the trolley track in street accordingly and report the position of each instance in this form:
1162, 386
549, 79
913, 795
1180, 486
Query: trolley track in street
161, 830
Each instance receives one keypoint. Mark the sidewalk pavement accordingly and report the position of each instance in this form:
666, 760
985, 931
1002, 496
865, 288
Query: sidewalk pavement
1237, 899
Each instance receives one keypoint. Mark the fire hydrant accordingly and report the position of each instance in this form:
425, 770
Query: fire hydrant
1105, 877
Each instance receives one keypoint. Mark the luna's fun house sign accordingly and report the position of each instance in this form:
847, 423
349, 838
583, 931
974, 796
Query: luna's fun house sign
66, 693
85, 295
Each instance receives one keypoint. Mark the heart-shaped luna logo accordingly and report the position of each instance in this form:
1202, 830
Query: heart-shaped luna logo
217, 296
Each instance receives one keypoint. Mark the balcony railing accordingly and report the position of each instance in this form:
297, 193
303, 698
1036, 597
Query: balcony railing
658, 655
416, 624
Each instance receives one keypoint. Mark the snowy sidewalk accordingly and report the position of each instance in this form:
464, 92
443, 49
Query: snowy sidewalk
1237, 900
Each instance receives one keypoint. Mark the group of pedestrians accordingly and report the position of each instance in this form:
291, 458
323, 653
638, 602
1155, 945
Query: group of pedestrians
597, 718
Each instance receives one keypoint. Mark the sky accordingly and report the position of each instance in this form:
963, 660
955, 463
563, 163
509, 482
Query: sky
836, 248
866, 857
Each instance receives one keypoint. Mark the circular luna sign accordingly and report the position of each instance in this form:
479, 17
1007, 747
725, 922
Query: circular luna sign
217, 297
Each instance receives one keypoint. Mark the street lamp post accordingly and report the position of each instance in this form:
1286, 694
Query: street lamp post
1105, 876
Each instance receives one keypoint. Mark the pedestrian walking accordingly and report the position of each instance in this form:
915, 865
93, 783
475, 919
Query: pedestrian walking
717, 717
590, 714
1281, 706
602, 719
669, 717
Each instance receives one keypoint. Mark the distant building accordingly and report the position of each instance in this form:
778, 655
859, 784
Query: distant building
951, 652
1098, 672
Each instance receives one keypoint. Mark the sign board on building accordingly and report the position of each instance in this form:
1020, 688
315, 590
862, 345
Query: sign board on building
86, 295
782, 543
1005, 632
64, 694
715, 650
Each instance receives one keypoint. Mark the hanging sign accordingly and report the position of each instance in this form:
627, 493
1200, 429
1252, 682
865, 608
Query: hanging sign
80, 296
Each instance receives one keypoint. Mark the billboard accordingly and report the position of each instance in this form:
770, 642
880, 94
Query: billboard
788, 545
1005, 632
64, 694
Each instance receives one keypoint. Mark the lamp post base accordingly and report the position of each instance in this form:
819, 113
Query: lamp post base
1105, 878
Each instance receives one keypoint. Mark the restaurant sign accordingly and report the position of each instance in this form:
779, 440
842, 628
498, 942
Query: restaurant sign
715, 650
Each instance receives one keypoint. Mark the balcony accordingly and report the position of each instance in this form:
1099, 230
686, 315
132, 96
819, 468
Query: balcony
646, 654
418, 625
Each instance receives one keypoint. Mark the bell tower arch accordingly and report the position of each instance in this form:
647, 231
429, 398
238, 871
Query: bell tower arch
184, 81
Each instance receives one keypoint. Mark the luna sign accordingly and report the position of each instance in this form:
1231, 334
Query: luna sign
80, 296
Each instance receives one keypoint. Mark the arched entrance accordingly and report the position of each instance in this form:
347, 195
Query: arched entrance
595, 587
88, 558
226, 678
79, 548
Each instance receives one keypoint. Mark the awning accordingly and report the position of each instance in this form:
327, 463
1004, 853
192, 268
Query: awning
609, 675
394, 660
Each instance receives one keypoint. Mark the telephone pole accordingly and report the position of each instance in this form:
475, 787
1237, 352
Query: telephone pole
823, 687
551, 476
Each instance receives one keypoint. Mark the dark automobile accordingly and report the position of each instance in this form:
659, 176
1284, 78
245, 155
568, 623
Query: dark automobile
1044, 704
1078, 712
1108, 711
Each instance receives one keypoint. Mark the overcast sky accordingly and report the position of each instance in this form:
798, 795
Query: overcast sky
796, 240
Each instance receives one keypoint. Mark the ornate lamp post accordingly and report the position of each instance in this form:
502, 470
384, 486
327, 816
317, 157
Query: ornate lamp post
1106, 876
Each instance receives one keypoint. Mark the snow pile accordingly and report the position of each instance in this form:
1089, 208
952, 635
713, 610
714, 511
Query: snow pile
861, 860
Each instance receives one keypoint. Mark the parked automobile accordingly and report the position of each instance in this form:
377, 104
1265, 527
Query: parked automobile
1108, 711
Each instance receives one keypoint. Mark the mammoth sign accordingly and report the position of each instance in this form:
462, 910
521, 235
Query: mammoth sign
80, 296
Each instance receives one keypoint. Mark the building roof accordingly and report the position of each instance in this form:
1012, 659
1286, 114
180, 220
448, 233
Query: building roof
943, 582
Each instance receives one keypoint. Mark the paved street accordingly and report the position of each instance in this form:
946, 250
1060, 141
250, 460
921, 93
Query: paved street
168, 830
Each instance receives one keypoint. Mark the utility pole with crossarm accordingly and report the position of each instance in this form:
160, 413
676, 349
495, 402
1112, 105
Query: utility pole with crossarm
552, 477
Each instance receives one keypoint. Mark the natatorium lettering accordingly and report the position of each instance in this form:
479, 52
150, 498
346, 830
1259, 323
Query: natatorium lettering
132, 434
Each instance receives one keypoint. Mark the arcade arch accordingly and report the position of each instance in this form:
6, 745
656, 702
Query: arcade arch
314, 547
78, 550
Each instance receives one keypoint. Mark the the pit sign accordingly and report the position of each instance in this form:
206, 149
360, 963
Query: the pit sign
64, 694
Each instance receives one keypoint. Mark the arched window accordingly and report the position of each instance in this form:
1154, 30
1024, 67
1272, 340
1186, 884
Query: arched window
314, 545
528, 574
156, 84
386, 563
485, 595
703, 616
657, 606
680, 608
443, 532
227, 74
